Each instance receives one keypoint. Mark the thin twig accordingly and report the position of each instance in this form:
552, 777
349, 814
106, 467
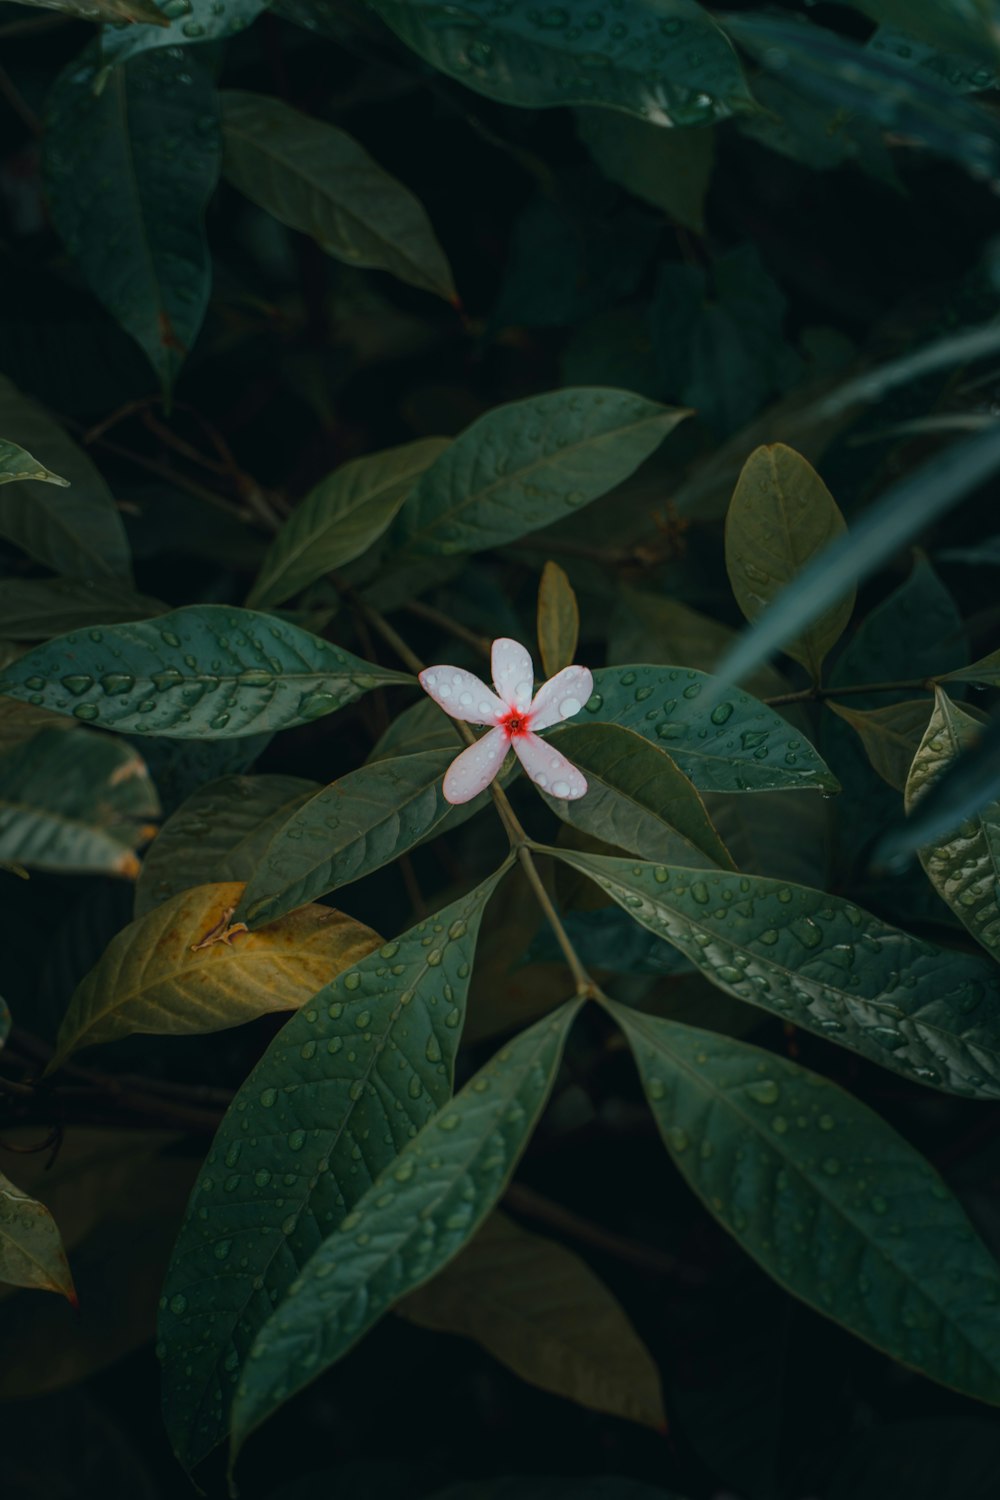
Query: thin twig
10, 91
820, 694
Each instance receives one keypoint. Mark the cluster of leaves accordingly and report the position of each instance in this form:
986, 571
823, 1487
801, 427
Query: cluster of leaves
239, 515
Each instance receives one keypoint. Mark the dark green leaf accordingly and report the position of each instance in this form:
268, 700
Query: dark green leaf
340, 519
823, 964
890, 734
199, 21
33, 609
351, 827
667, 169
528, 1487
339, 1091
529, 463
418, 1213
739, 745
833, 1204
965, 27
670, 63
317, 179
76, 531
131, 161
220, 833
608, 938
206, 670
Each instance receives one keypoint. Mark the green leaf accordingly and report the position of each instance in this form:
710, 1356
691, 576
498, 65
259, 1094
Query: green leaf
890, 735
78, 531
982, 673
339, 1091
422, 726
669, 170
131, 160
541, 1311
179, 971
823, 964
739, 745
965, 27
667, 63
349, 828
558, 620
21, 721
207, 670
112, 11
340, 518
31, 1251
319, 180
74, 802
906, 508
781, 515
882, 89
825, 1196
527, 464
219, 833
200, 21
638, 798
963, 867
33, 609
16, 464
417, 1215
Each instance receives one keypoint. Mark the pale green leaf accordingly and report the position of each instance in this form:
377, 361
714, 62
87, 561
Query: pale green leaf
31, 1251
417, 1215
340, 518
558, 620
341, 1089
983, 673
319, 180
825, 1195
16, 464
205, 671
890, 734
200, 21
781, 515
527, 464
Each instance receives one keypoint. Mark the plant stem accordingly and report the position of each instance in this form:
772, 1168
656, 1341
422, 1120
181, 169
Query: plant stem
438, 617
585, 986
814, 694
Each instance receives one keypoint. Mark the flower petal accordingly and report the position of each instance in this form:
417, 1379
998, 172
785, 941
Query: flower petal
548, 769
513, 674
472, 771
561, 697
461, 694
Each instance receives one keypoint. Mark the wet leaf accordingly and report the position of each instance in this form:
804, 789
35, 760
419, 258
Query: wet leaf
203, 671
965, 27
131, 160
77, 803
527, 464
16, 464
338, 1093
176, 971
668, 169
781, 515
198, 21
785, 1160
321, 181
31, 1252
890, 735
540, 1310
340, 519
417, 1215
558, 620
822, 963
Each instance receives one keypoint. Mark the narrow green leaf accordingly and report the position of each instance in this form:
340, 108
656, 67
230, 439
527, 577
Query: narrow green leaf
668, 169
823, 964
417, 1215
31, 1251
965, 27
963, 867
527, 464
781, 515
541, 1311
825, 1196
638, 798
558, 620
737, 745
15, 464
982, 673
75, 803
219, 833
349, 828
319, 180
204, 671
904, 510
667, 63
890, 735
131, 160
79, 531
340, 518
33, 609
340, 1090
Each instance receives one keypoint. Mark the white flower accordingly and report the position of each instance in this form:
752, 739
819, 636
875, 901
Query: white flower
514, 715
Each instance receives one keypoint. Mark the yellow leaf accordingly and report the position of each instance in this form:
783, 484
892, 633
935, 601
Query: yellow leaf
558, 620
541, 1311
159, 975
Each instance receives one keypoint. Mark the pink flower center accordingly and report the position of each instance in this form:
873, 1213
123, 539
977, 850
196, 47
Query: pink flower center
514, 723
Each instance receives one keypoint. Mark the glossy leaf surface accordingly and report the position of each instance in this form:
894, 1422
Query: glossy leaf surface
206, 670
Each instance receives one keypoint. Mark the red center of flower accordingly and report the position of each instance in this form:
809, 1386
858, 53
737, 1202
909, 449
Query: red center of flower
515, 723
